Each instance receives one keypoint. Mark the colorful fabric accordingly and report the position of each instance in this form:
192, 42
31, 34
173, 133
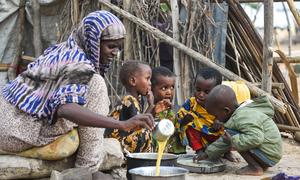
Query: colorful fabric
203, 122
256, 128
195, 138
174, 144
133, 141
61, 74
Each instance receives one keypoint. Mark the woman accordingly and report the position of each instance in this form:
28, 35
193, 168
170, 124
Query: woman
62, 90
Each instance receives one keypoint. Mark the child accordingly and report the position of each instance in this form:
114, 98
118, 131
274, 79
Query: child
163, 83
197, 127
135, 76
249, 129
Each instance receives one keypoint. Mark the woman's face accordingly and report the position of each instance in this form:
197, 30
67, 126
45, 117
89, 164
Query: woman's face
109, 49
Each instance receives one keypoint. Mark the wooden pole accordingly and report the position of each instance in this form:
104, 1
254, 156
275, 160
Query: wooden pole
37, 42
294, 11
295, 59
280, 106
128, 53
11, 72
288, 28
267, 46
176, 60
287, 128
257, 1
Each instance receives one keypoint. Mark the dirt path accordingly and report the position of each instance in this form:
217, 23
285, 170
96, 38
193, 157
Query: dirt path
290, 164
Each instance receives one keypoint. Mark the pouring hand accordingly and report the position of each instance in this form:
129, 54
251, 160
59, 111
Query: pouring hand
139, 121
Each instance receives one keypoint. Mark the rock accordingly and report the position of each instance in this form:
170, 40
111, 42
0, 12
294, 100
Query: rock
15, 167
113, 154
102, 176
297, 136
72, 174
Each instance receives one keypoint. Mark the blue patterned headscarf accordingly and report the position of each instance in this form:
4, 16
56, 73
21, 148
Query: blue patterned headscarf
61, 74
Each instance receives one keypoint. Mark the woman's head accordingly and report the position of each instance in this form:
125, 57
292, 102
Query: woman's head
163, 83
135, 76
100, 34
205, 80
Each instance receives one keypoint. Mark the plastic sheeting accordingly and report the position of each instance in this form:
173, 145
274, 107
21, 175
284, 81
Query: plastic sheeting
49, 11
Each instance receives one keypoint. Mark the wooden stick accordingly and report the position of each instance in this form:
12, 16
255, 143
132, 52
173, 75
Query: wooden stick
280, 106
287, 128
128, 53
176, 60
257, 1
292, 75
274, 85
294, 11
267, 70
11, 72
289, 59
37, 42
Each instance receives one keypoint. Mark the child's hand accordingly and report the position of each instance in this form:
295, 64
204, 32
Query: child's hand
187, 119
150, 98
227, 137
162, 105
217, 125
201, 155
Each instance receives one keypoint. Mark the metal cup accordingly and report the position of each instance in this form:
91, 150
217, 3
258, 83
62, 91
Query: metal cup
163, 130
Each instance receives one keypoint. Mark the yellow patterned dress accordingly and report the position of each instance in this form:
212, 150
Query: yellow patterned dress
133, 141
199, 132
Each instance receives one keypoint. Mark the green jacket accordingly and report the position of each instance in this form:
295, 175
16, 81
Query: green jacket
256, 130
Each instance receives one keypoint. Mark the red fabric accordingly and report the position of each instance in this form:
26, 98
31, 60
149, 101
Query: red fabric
195, 140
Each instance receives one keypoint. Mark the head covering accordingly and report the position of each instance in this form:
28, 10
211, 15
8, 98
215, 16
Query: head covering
61, 74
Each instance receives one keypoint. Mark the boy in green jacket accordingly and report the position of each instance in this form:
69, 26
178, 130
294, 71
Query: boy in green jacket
249, 129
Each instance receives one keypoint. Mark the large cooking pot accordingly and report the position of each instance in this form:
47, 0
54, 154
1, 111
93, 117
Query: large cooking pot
166, 173
148, 159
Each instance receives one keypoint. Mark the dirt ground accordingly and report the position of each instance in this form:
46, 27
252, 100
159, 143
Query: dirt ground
289, 164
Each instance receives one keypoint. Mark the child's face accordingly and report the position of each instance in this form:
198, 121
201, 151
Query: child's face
143, 77
202, 88
164, 88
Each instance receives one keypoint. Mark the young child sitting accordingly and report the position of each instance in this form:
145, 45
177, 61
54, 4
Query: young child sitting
249, 129
163, 83
198, 128
135, 76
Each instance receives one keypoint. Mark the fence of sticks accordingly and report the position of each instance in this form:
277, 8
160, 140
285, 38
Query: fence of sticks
245, 56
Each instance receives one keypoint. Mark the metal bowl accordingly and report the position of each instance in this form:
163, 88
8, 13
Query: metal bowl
148, 159
166, 173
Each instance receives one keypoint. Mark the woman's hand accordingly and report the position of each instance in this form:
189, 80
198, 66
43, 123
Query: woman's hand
137, 122
162, 105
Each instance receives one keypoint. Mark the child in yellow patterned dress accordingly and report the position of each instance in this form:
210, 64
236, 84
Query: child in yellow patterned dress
135, 76
197, 127
163, 83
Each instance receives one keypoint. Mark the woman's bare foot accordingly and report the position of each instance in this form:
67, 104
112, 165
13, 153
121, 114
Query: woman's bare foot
250, 170
231, 157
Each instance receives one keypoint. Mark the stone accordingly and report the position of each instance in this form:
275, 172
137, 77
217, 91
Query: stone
102, 176
72, 174
16, 167
113, 154
297, 136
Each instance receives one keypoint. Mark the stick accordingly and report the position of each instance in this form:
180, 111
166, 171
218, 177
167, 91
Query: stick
268, 42
294, 11
176, 61
288, 128
11, 72
280, 106
37, 42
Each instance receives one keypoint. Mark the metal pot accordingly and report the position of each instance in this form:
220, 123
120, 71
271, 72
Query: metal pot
148, 159
166, 173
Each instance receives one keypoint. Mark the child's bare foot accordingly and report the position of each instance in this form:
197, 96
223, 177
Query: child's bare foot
231, 157
250, 170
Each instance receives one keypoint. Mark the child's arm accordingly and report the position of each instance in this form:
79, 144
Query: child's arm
150, 100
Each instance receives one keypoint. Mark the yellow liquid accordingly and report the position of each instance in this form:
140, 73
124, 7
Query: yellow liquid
161, 148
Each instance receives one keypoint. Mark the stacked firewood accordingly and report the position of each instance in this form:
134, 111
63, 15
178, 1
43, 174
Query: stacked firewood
244, 56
